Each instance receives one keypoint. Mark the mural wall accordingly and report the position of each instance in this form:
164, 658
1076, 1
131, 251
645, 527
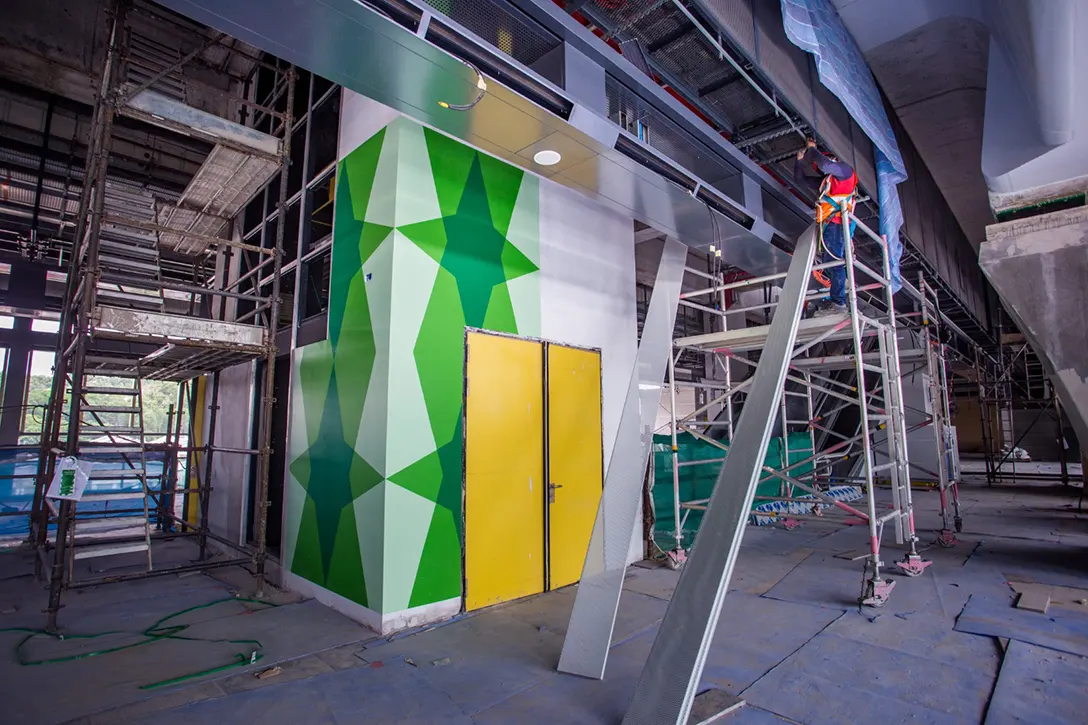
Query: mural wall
430, 236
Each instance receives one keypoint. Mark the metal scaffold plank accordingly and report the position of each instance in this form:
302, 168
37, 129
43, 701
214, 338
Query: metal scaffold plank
671, 677
589, 634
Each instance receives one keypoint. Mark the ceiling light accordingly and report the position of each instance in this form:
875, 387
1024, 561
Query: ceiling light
547, 157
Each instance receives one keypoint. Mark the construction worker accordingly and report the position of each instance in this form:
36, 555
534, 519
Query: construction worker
836, 184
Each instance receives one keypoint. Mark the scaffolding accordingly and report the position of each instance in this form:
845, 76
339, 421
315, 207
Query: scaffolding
1015, 380
846, 372
129, 316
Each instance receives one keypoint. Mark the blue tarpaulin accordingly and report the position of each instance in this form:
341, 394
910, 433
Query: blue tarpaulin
815, 27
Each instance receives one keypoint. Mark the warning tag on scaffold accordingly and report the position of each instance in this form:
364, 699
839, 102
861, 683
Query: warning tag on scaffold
69, 479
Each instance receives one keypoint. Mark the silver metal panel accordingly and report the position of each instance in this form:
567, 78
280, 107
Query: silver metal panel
349, 44
589, 634
163, 107
671, 677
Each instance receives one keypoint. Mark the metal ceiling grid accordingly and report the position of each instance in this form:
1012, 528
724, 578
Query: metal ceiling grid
503, 26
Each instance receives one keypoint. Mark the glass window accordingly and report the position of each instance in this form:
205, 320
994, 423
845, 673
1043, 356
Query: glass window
45, 325
39, 383
7, 322
316, 286
322, 199
325, 130
298, 154
287, 297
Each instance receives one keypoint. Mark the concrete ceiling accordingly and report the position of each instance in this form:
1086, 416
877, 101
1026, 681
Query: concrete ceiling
930, 59
987, 91
935, 79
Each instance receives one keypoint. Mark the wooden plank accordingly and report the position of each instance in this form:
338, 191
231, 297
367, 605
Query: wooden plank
1034, 600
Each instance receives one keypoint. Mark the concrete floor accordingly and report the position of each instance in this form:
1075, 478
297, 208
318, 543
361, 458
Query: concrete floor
792, 642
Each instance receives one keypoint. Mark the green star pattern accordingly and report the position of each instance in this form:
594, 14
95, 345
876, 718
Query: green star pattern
429, 235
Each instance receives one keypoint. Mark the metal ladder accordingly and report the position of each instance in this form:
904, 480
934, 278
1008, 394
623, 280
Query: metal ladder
111, 405
111, 408
941, 411
130, 268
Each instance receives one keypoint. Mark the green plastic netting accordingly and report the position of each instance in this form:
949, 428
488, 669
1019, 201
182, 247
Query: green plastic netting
697, 482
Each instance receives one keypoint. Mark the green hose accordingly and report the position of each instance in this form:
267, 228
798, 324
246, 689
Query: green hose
155, 633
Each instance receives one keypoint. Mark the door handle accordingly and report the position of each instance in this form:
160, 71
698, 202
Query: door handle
551, 491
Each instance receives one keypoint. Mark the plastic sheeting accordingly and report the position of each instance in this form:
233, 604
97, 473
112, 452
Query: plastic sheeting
815, 27
697, 481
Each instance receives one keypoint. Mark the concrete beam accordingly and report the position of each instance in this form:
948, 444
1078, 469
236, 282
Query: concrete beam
1038, 266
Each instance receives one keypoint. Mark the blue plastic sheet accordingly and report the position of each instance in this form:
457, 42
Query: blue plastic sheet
18, 471
815, 27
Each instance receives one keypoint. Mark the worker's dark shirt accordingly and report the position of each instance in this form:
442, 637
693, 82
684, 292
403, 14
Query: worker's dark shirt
811, 170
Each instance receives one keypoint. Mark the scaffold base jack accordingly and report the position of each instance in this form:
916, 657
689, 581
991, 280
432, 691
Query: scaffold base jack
876, 592
947, 539
913, 565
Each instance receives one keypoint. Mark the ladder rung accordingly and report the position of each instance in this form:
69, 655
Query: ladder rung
129, 285
110, 260
117, 473
108, 523
151, 300
874, 368
88, 427
108, 409
91, 552
883, 467
106, 448
113, 496
94, 390
108, 360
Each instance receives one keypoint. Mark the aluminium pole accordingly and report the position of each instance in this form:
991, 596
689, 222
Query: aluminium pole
678, 549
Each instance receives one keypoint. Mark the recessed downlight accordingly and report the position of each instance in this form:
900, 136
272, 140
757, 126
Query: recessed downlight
547, 157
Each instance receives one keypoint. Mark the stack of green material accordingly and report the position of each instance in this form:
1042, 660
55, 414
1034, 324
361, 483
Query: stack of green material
697, 482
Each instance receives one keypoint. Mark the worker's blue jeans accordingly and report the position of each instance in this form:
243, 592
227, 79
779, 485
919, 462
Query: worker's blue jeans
834, 249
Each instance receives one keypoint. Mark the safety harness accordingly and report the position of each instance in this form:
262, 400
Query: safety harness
835, 197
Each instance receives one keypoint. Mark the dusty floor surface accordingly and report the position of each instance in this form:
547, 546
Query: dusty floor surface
949, 647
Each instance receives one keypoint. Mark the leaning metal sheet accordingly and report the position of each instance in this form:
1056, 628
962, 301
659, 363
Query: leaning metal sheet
589, 634
672, 674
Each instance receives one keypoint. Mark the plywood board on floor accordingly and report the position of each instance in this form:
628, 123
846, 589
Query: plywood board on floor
1062, 630
833, 680
1039, 686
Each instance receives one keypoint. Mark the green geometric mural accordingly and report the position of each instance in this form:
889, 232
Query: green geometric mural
374, 497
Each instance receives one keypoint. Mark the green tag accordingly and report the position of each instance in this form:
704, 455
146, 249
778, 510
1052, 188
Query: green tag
68, 482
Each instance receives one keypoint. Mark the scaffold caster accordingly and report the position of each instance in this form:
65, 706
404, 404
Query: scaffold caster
947, 539
877, 592
675, 559
913, 565
959, 525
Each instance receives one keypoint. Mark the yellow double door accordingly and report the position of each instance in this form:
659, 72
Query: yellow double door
533, 466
